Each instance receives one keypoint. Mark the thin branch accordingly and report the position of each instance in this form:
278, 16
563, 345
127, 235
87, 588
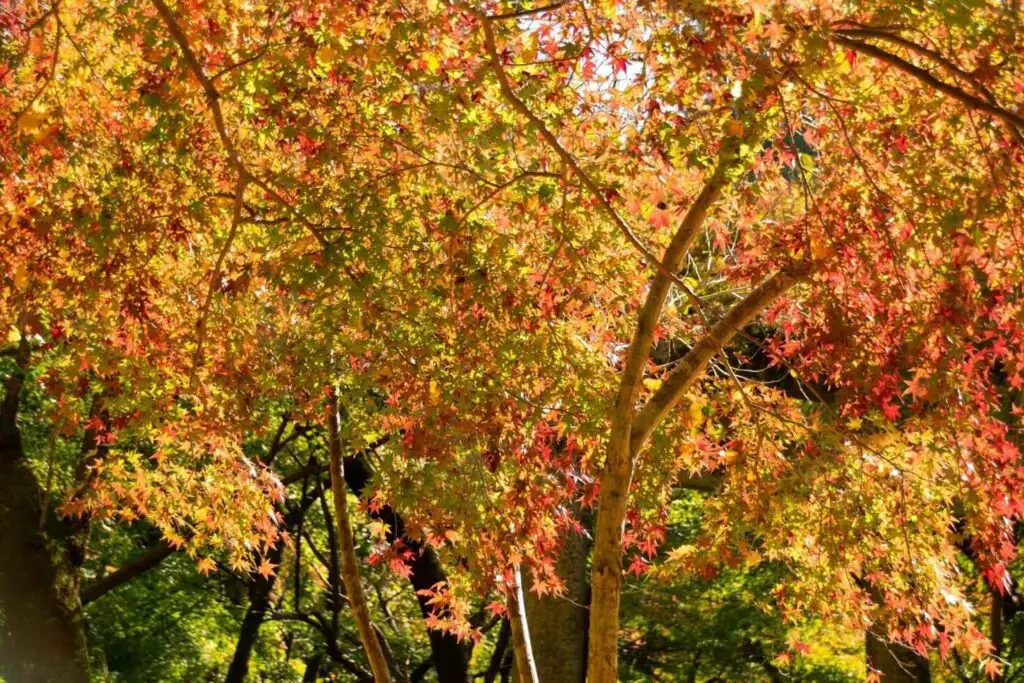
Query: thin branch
528, 12
201, 327
314, 468
128, 571
213, 101
567, 158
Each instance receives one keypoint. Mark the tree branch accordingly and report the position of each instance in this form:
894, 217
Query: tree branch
528, 12
692, 364
213, 101
567, 158
1015, 121
128, 571
236, 219
368, 635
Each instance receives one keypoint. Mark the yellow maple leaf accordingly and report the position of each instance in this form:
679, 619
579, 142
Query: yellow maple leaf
31, 121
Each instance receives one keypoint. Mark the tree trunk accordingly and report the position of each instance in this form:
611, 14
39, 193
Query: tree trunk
525, 666
498, 656
94, 449
349, 562
629, 432
450, 657
42, 634
894, 662
260, 588
249, 633
312, 671
558, 625
996, 609
602, 666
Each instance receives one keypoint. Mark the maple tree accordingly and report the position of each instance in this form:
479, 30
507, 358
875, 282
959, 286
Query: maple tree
564, 256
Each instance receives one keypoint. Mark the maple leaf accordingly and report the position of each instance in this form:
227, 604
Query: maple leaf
496, 609
637, 567
266, 568
915, 388
205, 566
659, 218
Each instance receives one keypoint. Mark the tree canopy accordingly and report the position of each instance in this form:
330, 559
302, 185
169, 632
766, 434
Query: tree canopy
704, 316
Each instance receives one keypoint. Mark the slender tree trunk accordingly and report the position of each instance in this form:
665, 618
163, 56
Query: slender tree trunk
248, 635
260, 588
630, 431
451, 658
894, 662
995, 622
42, 634
349, 563
312, 671
525, 665
94, 448
625, 437
602, 666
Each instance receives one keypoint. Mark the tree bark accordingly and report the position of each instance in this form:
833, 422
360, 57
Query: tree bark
312, 671
996, 632
894, 662
259, 603
42, 634
260, 588
602, 666
558, 625
128, 571
525, 665
498, 656
628, 436
349, 562
450, 657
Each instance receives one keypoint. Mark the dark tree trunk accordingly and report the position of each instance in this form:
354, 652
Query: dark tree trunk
42, 637
94, 448
451, 658
260, 588
248, 634
896, 663
504, 635
312, 672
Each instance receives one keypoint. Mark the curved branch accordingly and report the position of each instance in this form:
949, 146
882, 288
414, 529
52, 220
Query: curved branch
689, 370
567, 158
213, 101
